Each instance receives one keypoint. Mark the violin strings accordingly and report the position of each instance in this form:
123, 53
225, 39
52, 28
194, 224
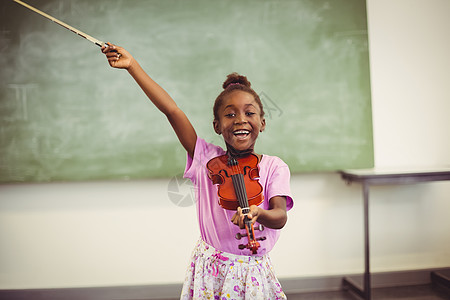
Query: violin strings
238, 181
242, 191
241, 194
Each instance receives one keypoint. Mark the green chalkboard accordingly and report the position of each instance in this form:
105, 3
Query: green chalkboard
65, 115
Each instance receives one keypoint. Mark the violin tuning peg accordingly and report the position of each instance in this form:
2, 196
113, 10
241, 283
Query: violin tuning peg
263, 238
239, 236
260, 227
242, 246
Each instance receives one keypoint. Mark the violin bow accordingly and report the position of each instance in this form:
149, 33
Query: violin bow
67, 26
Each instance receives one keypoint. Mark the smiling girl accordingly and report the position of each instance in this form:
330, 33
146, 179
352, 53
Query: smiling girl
219, 269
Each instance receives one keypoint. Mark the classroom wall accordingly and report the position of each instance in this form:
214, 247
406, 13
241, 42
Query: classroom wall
140, 232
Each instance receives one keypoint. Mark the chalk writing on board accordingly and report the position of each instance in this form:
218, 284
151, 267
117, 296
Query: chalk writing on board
22, 92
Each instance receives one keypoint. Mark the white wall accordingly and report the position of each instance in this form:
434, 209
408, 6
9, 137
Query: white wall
410, 74
118, 233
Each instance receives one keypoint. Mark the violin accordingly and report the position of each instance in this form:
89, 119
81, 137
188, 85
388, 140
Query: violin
238, 186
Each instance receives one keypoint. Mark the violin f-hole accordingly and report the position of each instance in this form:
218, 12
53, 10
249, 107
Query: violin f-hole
216, 179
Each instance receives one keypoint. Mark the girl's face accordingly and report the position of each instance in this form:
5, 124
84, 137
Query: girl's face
240, 120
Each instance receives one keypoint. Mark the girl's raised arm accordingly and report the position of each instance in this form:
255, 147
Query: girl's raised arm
119, 58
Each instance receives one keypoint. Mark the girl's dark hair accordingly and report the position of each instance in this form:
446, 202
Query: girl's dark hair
234, 82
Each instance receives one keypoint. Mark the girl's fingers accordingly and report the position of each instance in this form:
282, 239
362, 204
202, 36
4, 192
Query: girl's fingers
238, 217
108, 47
105, 48
113, 55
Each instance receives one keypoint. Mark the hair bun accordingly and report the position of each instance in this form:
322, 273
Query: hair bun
235, 78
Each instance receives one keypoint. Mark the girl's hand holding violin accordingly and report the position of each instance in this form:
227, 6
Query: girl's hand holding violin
275, 217
238, 217
117, 56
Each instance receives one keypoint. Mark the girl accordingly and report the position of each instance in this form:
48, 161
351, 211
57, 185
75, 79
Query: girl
219, 269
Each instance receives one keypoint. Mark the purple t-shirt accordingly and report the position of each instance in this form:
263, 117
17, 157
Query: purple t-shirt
215, 223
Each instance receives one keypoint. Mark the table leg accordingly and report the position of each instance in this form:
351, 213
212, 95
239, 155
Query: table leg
348, 283
367, 287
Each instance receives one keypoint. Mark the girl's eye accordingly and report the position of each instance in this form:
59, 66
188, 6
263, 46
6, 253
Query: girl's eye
230, 115
250, 113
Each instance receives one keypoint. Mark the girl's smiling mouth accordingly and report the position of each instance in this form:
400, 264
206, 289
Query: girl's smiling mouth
241, 133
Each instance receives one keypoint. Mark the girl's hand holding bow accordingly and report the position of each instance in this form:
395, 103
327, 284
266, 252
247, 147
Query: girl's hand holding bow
117, 56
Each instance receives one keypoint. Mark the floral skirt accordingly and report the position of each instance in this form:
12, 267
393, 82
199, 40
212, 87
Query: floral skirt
218, 275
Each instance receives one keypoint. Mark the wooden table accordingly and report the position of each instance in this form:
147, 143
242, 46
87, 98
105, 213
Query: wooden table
387, 177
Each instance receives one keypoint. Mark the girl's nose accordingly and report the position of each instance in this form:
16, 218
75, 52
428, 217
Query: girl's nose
240, 119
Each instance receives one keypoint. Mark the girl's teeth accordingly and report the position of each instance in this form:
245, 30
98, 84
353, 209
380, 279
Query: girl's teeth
241, 132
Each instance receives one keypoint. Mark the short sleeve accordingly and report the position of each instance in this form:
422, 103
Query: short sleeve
203, 152
278, 180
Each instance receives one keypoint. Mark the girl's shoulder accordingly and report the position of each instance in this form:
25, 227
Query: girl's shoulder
272, 161
271, 166
204, 148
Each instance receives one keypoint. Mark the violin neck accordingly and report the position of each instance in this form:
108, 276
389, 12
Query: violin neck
241, 192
